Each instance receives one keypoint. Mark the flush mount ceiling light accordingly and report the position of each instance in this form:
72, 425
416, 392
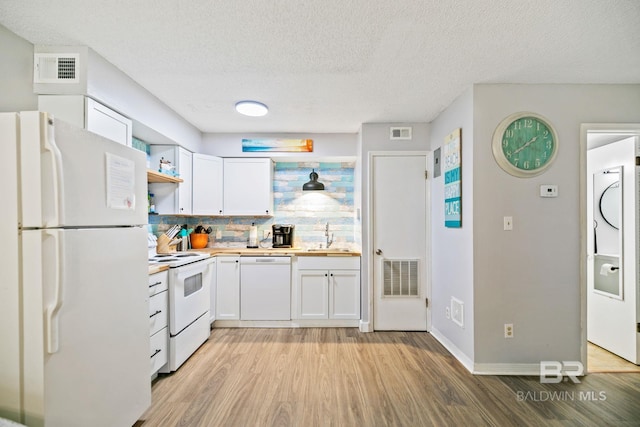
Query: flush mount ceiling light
313, 184
251, 108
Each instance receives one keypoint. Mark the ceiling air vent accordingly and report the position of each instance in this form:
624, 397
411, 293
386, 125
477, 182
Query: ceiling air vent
400, 133
55, 68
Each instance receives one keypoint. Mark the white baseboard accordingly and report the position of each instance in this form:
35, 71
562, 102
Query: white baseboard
365, 327
525, 369
297, 323
453, 349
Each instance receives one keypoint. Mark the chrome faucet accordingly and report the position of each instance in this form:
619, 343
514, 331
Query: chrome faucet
326, 233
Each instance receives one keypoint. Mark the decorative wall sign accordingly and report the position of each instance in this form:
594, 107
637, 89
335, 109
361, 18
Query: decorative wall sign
277, 144
452, 180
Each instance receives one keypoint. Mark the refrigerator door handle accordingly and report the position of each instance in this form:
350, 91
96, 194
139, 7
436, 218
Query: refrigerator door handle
57, 180
53, 308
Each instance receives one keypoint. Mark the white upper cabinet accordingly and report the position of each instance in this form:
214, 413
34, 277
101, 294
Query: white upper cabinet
207, 185
88, 114
185, 188
248, 186
173, 198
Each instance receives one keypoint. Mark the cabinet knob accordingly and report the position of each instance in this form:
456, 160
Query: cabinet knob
378, 251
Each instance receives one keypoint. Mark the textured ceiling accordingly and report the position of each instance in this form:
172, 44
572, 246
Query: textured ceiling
330, 65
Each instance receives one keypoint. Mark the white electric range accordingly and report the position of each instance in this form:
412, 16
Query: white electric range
190, 280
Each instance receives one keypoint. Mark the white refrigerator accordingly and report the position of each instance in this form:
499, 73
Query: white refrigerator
74, 316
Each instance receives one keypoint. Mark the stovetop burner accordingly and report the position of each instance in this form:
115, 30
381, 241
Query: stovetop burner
177, 259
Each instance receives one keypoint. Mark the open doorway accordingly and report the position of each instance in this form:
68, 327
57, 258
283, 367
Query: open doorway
610, 234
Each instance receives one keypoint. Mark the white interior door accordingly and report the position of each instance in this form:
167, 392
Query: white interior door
400, 236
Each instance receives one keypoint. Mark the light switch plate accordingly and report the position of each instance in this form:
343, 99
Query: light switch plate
508, 223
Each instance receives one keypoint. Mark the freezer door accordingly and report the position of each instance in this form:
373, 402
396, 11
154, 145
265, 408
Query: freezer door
74, 178
86, 327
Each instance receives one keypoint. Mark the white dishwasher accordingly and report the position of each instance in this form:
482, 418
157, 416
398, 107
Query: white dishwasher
265, 288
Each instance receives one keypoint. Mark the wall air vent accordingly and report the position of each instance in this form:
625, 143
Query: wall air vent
400, 133
400, 278
457, 311
56, 68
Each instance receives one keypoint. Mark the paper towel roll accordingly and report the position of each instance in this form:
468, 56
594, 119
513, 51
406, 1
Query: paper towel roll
607, 269
253, 236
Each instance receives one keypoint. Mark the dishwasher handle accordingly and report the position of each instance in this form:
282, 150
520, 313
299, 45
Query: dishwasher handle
265, 260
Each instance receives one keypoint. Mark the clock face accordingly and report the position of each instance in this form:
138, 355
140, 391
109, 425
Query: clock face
525, 144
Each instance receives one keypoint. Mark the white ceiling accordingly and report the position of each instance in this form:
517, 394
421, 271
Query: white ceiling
330, 65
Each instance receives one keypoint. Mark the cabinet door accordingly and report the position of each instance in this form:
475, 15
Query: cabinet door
344, 294
88, 114
248, 186
313, 294
207, 185
228, 288
185, 167
106, 122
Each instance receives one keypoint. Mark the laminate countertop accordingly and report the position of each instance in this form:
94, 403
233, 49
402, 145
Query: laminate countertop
155, 268
277, 251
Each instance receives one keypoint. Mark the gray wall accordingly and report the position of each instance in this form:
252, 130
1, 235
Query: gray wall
452, 248
16, 66
153, 121
529, 276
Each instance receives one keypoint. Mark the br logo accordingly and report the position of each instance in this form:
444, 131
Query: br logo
553, 372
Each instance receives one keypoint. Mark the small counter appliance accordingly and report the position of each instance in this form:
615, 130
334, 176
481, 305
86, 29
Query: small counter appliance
283, 235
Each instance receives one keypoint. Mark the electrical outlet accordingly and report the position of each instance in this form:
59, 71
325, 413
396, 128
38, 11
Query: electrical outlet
447, 312
265, 234
218, 234
508, 330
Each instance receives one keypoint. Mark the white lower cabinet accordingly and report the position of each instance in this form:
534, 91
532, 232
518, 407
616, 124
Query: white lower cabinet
328, 288
227, 301
158, 319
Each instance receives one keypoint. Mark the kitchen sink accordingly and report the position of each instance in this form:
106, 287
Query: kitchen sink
328, 250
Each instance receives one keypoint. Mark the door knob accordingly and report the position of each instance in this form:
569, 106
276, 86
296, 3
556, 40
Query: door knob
378, 251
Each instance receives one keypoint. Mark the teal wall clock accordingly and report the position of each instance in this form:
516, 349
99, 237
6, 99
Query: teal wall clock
525, 144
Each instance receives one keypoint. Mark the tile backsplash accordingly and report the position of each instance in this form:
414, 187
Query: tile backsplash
309, 211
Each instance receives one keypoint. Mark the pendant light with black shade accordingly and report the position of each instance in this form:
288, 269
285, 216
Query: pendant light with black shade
313, 184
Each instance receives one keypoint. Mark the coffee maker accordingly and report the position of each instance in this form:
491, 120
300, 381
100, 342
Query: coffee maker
282, 235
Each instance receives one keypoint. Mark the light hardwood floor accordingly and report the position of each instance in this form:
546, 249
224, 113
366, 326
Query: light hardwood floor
601, 360
341, 377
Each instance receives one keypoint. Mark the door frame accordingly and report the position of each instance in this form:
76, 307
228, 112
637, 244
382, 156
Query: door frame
371, 221
622, 129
